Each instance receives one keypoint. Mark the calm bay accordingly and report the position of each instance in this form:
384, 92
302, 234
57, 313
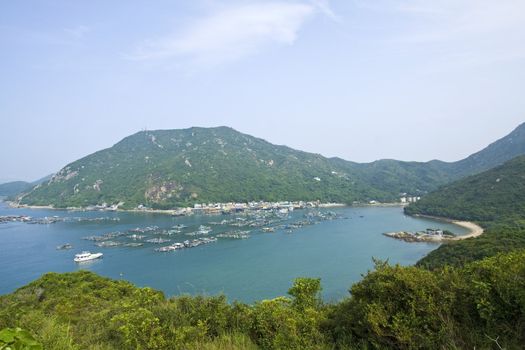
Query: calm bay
263, 266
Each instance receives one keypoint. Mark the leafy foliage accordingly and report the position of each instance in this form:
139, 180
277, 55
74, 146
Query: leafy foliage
18, 339
410, 308
494, 240
392, 307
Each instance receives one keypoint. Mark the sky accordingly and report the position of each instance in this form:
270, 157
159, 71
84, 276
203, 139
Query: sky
358, 79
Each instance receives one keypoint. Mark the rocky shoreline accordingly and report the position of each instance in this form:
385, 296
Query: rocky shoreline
437, 236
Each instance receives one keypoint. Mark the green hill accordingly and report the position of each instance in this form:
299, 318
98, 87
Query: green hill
404, 177
168, 168
172, 168
495, 195
495, 199
13, 188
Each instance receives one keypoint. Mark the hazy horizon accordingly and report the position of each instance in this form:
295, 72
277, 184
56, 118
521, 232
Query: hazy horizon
410, 80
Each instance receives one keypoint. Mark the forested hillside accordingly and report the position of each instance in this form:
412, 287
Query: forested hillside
172, 168
13, 188
495, 195
164, 169
495, 199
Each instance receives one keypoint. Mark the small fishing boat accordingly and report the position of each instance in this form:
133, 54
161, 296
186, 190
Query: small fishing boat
64, 246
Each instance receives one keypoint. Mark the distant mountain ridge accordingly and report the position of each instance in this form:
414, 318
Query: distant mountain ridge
495, 154
14, 188
169, 168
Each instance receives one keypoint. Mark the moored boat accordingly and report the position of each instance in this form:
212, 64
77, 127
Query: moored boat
64, 246
86, 256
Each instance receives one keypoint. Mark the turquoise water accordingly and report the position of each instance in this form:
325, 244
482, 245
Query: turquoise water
263, 266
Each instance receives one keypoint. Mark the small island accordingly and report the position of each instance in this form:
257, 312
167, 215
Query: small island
429, 235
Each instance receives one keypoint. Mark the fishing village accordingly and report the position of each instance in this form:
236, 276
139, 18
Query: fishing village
46, 220
241, 221
240, 226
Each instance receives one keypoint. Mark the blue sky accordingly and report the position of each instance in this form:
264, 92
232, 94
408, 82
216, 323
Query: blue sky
362, 80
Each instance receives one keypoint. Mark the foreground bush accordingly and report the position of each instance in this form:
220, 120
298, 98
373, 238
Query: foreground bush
481, 305
18, 339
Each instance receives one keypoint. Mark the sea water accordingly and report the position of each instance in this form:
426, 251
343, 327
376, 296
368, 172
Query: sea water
338, 251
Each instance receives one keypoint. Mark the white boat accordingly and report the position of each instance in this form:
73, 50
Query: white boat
86, 256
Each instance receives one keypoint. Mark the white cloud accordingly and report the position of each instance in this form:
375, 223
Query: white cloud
233, 33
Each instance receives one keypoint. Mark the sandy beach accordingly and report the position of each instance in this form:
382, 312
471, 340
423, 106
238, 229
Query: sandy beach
475, 230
